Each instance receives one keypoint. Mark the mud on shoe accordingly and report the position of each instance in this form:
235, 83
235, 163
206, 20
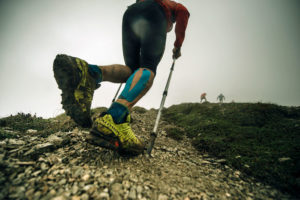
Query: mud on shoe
77, 85
119, 137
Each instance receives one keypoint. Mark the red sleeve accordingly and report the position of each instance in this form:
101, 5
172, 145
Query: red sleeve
182, 17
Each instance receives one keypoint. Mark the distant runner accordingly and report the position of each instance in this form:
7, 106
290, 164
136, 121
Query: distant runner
203, 97
221, 98
144, 29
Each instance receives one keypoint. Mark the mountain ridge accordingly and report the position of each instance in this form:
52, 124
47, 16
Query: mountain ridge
50, 159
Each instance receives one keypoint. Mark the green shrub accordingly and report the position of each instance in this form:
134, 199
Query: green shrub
22, 122
175, 132
251, 137
6, 134
139, 110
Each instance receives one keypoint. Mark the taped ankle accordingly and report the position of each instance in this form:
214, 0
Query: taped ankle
131, 94
118, 112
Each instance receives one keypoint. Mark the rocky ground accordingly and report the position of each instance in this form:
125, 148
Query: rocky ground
64, 166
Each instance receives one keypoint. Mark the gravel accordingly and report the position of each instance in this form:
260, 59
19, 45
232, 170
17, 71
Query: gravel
64, 166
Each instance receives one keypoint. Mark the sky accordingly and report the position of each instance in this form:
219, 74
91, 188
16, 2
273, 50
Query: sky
249, 50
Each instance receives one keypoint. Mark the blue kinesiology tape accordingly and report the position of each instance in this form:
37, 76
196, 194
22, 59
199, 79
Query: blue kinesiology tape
130, 95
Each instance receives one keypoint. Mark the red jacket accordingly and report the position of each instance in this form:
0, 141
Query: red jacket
175, 12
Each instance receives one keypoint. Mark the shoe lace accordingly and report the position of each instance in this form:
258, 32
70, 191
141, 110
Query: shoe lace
126, 129
130, 135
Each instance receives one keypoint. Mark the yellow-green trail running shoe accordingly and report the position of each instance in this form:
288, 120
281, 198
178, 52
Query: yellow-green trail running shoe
77, 85
118, 137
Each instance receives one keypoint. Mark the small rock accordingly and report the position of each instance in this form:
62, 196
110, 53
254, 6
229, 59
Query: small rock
37, 195
7, 128
85, 177
62, 181
162, 197
75, 189
203, 196
36, 172
116, 187
116, 197
75, 130
25, 163
84, 197
31, 131
52, 192
16, 142
132, 193
103, 195
29, 193
33, 138
184, 190
20, 192
163, 133
59, 198
77, 172
74, 161
126, 184
45, 147
55, 140
210, 194
18, 180
139, 189
53, 159
237, 174
222, 161
205, 162
186, 179
42, 159
181, 153
116, 190
105, 190
2, 143
284, 159
133, 179
44, 167
87, 188
173, 190
75, 197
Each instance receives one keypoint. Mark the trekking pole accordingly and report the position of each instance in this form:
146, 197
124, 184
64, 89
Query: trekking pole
154, 134
114, 99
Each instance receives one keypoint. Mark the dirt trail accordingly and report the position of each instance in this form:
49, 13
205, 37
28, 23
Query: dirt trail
64, 166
